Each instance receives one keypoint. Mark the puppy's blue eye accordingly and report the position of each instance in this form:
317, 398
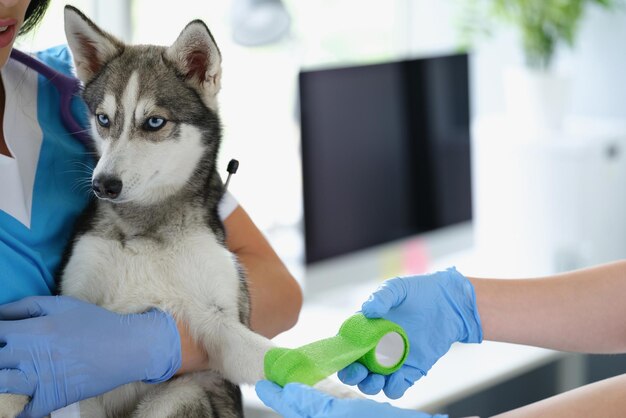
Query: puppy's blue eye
154, 123
103, 120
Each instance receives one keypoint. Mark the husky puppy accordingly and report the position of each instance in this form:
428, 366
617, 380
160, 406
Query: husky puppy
154, 237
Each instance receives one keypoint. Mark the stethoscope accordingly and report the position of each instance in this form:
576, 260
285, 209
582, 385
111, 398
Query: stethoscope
69, 87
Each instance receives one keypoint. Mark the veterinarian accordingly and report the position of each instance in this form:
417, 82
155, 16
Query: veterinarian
581, 311
58, 350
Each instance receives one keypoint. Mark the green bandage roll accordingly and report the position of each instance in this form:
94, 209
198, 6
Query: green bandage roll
379, 344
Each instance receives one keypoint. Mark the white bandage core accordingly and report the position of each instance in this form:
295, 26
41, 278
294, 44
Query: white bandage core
390, 349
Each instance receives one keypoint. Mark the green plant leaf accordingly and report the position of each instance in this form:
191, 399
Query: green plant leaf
542, 24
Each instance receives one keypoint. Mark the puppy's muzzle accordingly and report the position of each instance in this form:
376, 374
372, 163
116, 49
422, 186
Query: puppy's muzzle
107, 187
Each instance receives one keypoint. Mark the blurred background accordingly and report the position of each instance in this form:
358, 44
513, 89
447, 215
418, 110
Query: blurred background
496, 132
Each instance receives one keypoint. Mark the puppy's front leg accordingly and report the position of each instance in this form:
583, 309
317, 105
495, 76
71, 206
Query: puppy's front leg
239, 354
234, 350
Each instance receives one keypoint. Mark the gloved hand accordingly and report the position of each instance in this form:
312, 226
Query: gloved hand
435, 310
59, 350
300, 401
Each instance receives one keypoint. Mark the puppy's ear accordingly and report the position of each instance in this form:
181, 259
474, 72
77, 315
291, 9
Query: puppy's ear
91, 47
196, 55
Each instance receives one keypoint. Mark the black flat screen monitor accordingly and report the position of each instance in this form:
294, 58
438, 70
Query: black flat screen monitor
385, 152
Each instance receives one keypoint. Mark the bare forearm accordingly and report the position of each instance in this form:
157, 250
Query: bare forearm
194, 357
601, 399
275, 297
579, 311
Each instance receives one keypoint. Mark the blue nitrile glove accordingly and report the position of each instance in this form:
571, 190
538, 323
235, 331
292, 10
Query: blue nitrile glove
300, 401
59, 350
435, 310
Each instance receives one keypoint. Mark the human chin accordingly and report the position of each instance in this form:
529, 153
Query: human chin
8, 29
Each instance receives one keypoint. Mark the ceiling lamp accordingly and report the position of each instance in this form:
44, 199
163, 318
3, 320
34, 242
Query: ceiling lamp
259, 22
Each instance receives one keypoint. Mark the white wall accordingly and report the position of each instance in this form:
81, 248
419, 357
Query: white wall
596, 67
597, 64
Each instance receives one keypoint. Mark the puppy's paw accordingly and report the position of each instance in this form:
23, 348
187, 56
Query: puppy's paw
12, 405
336, 389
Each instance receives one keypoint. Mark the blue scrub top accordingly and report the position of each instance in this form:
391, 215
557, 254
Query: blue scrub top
30, 256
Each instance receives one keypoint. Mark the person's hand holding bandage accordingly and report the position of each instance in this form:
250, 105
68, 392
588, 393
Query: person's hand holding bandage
435, 310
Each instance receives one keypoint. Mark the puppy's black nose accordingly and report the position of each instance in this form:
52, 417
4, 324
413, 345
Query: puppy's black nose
107, 187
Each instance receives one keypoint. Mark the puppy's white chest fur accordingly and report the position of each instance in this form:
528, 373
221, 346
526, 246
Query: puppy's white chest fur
132, 275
